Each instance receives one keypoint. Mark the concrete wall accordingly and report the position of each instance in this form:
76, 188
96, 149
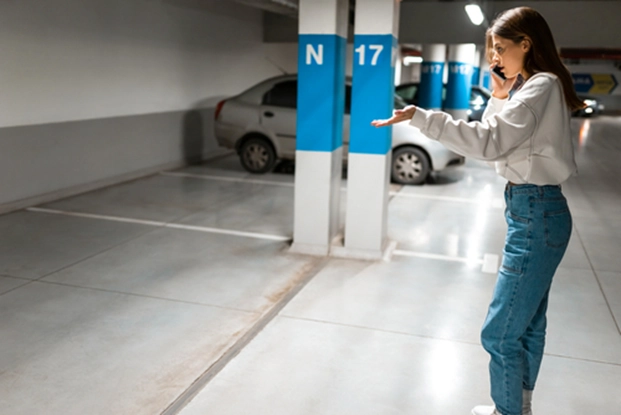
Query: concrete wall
99, 91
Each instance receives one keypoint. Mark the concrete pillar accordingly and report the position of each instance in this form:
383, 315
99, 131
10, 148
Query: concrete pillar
432, 71
369, 160
459, 83
398, 68
319, 142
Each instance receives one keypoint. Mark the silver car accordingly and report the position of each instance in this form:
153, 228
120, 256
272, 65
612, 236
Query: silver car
260, 124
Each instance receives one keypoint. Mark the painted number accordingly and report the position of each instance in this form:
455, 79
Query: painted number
461, 69
433, 69
361, 53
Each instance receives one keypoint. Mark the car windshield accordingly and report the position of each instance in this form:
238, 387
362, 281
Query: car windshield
399, 102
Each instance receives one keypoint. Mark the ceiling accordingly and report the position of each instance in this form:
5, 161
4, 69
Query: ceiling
486, 1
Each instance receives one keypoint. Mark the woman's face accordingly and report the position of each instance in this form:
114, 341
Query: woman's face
509, 56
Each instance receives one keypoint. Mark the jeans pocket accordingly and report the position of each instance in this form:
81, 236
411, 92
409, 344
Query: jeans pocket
557, 228
517, 244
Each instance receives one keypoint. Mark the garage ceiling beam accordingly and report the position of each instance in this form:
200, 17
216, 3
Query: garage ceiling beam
286, 7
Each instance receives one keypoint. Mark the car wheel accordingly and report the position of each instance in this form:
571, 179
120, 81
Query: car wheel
409, 166
257, 155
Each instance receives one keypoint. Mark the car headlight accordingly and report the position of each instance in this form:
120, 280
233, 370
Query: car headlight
590, 102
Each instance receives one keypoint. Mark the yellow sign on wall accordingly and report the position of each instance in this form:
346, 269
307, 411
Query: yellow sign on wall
602, 83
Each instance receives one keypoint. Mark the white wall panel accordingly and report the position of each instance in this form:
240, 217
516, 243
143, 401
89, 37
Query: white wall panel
65, 60
95, 92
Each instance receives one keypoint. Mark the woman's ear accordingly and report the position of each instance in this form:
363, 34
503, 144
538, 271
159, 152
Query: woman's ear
526, 45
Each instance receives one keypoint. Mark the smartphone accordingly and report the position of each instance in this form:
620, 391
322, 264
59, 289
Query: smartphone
499, 73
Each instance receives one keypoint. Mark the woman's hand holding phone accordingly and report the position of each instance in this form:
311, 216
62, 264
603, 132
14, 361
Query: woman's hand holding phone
501, 85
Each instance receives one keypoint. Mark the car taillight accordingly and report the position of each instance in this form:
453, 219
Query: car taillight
218, 109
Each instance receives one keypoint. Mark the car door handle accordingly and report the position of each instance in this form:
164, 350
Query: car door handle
268, 114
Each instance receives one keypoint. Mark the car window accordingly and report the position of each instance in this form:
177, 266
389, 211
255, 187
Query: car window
399, 102
283, 94
408, 92
477, 98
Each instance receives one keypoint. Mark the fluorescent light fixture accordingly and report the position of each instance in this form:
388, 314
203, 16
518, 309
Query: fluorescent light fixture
408, 60
475, 14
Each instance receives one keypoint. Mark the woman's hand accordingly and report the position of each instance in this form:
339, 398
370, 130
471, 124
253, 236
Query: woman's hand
397, 116
500, 87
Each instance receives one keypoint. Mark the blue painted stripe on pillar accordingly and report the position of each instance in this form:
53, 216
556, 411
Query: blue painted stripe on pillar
372, 93
321, 92
487, 81
476, 74
430, 89
458, 86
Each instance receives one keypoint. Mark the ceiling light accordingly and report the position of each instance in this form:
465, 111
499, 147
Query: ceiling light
475, 14
408, 60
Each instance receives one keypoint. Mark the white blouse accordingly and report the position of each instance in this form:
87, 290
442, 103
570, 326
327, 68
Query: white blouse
527, 137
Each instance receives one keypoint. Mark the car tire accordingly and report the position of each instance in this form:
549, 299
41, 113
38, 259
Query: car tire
257, 155
410, 165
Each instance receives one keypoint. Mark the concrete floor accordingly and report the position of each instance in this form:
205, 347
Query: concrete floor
176, 294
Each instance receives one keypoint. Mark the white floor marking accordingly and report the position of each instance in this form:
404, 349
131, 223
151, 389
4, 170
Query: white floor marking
229, 232
165, 225
94, 216
495, 203
489, 261
390, 250
227, 179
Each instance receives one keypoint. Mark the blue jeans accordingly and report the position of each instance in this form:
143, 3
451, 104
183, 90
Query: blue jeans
539, 227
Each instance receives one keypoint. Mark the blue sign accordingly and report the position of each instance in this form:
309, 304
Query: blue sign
458, 87
430, 89
582, 82
372, 93
321, 92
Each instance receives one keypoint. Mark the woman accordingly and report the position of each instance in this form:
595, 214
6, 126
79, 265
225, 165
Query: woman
527, 136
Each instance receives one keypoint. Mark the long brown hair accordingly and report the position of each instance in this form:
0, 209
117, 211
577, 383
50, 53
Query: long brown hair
524, 23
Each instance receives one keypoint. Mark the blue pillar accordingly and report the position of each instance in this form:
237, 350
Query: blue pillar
319, 141
369, 160
459, 83
485, 80
431, 77
476, 75
476, 67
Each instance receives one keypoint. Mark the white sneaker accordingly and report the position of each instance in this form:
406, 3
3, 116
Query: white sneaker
485, 410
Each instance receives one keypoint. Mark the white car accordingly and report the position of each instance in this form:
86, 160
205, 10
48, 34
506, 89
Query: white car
260, 124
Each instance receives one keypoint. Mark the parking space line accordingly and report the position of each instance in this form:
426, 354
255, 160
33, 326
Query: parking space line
495, 203
489, 262
227, 179
165, 224
230, 232
95, 216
